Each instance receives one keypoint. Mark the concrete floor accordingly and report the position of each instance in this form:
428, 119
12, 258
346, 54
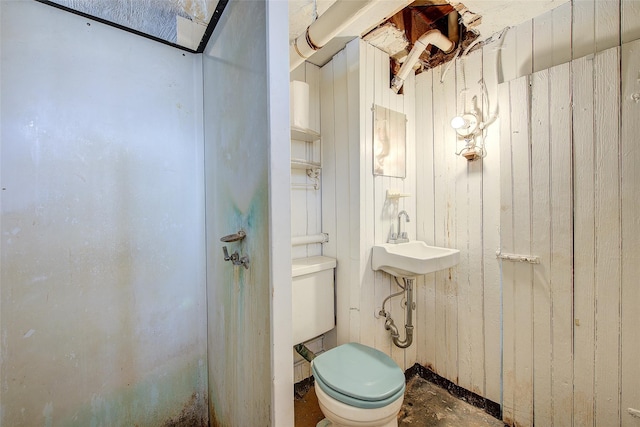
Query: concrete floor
425, 405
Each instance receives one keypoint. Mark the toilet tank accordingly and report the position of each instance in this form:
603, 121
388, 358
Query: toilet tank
313, 297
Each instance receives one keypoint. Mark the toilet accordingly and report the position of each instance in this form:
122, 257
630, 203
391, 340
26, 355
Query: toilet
356, 385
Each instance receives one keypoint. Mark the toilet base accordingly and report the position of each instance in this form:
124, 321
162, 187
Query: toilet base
341, 415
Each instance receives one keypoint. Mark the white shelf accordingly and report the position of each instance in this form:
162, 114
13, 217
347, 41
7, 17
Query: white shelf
313, 168
300, 134
304, 164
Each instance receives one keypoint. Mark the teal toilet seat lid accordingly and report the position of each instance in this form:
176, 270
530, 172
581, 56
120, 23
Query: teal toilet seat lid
360, 373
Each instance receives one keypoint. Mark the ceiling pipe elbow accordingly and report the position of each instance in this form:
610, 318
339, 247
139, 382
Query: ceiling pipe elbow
433, 37
331, 23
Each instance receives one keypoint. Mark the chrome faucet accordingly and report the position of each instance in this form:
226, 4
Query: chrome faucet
400, 236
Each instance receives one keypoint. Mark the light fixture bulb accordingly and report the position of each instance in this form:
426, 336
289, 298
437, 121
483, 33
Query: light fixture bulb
459, 122
465, 125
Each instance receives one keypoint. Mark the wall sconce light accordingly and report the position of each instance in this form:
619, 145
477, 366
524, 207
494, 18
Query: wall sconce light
467, 127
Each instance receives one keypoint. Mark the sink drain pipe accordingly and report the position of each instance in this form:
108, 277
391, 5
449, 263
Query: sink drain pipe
390, 325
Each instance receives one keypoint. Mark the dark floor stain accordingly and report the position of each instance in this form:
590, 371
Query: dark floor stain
490, 407
302, 388
429, 405
306, 409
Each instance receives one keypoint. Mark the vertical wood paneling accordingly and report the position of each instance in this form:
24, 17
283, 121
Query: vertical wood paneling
394, 102
342, 194
440, 209
607, 24
552, 38
630, 195
329, 208
473, 65
561, 245
312, 77
630, 25
492, 320
517, 52
459, 231
314, 205
518, 369
551, 232
596, 26
382, 218
469, 184
409, 186
449, 109
446, 280
597, 239
541, 244
341, 137
543, 41
523, 279
425, 311
328, 156
607, 225
583, 40
376, 281
386, 211
355, 200
506, 245
584, 238
561, 47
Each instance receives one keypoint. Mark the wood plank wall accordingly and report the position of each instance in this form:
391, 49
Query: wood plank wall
630, 230
354, 205
537, 220
598, 267
530, 172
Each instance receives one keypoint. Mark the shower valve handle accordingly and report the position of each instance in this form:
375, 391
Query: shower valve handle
235, 258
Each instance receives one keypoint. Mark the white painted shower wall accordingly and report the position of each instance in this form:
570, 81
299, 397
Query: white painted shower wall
245, 156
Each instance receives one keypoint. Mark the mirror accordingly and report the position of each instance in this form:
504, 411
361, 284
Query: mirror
186, 24
389, 141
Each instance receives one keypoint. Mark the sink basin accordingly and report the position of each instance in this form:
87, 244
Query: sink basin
412, 258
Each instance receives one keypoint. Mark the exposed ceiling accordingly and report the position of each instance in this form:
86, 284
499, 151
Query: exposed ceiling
397, 35
393, 26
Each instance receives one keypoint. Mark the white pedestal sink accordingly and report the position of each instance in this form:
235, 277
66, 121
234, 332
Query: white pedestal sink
413, 258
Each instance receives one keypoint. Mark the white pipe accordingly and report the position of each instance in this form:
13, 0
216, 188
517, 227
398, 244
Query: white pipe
433, 37
306, 240
331, 23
